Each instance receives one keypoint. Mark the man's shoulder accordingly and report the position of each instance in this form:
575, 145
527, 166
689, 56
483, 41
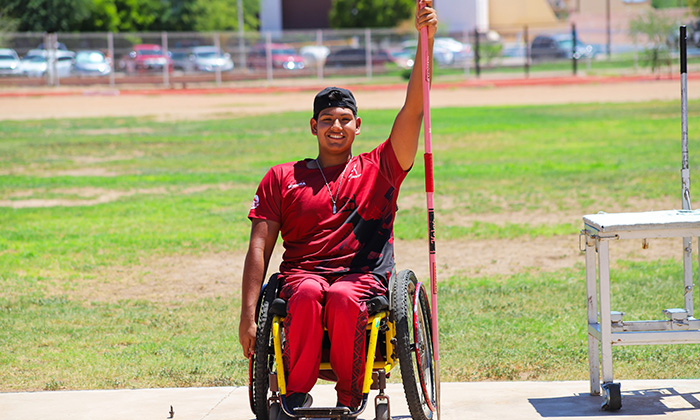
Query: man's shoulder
290, 166
377, 152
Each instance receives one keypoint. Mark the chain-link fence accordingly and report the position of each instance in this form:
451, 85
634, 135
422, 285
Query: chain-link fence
176, 59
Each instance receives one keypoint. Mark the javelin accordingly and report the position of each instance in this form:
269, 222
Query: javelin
429, 189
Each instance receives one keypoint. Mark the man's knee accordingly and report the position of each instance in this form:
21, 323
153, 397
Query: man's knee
342, 299
307, 292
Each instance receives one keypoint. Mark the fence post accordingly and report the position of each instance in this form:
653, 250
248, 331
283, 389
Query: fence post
241, 43
526, 35
268, 54
477, 67
112, 61
166, 67
368, 52
466, 59
54, 52
574, 60
217, 70
607, 27
319, 63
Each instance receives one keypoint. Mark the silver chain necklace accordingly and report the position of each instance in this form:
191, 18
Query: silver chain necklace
340, 183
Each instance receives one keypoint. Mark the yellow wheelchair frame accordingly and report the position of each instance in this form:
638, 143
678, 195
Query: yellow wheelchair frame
268, 381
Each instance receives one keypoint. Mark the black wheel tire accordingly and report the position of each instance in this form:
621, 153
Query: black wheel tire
613, 397
382, 412
264, 356
417, 369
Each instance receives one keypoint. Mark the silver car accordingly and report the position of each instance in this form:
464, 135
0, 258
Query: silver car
36, 63
210, 58
91, 63
9, 62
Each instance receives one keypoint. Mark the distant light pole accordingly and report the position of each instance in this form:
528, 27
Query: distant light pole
241, 43
607, 18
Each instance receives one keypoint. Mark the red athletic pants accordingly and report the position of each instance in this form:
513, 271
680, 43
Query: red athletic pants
339, 304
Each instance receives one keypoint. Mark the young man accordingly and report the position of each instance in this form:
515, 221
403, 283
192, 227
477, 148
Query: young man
335, 214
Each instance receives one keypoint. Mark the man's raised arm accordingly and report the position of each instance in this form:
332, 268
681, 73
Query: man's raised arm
406, 129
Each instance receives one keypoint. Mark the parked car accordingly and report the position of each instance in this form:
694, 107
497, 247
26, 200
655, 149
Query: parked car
446, 51
10, 64
181, 59
403, 58
210, 59
145, 57
314, 54
202, 58
559, 46
91, 63
353, 57
36, 63
283, 57
461, 51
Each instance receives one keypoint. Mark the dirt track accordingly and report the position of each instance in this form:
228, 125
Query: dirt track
177, 105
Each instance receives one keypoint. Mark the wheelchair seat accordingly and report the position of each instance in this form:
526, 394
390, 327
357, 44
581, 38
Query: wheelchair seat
375, 305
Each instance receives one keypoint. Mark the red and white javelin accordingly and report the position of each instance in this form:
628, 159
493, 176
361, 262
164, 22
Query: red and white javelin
429, 189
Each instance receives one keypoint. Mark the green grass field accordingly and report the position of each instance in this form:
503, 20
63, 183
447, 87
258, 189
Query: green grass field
131, 191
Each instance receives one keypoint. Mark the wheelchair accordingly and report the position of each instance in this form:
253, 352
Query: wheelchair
399, 333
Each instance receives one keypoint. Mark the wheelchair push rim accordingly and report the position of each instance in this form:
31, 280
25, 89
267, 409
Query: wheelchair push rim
411, 313
423, 346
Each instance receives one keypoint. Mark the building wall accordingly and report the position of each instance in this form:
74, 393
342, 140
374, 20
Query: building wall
270, 15
457, 15
504, 13
599, 7
305, 14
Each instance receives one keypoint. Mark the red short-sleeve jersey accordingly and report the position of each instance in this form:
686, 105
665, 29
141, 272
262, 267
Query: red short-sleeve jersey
359, 237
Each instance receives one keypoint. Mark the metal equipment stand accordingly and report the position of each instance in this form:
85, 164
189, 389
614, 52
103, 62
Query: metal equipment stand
607, 328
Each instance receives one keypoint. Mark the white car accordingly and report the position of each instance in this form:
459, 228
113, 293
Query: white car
209, 59
314, 54
36, 63
91, 63
9, 62
446, 51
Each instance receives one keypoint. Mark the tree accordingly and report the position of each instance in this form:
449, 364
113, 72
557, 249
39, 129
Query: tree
656, 29
221, 15
370, 13
47, 15
7, 25
694, 6
104, 17
125, 15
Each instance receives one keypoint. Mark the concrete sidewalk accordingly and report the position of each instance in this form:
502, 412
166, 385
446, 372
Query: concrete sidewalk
641, 399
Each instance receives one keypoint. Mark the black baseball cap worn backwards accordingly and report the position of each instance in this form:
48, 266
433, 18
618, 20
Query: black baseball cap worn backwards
334, 97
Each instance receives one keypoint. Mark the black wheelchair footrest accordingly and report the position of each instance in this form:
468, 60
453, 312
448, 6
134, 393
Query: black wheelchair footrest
321, 412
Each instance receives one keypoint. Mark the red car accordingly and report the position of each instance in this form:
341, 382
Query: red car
146, 57
283, 56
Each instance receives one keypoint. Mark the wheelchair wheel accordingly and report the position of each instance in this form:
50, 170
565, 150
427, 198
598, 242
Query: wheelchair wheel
264, 356
411, 314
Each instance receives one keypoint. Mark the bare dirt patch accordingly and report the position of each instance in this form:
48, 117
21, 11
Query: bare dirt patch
79, 197
209, 106
211, 275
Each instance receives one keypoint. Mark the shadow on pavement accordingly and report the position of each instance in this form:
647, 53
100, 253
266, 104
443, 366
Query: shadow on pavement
659, 401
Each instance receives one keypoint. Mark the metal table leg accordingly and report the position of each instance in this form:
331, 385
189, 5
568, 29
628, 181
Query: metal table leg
593, 343
605, 325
